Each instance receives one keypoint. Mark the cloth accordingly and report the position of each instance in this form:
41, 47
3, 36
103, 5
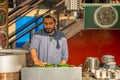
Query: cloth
51, 51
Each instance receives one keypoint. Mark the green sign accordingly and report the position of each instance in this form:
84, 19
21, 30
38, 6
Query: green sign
102, 16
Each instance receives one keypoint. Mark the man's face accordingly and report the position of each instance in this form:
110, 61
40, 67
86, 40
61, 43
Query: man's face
49, 25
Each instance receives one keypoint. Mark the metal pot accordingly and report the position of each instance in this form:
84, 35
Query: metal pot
92, 64
10, 76
12, 60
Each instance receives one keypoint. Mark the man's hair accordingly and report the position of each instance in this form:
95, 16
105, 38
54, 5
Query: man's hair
49, 15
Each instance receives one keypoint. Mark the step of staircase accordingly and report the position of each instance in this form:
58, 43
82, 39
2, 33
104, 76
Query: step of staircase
74, 29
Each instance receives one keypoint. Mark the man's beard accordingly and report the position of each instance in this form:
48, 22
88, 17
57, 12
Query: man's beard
49, 30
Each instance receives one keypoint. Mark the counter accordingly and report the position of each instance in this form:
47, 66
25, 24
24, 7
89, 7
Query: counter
56, 73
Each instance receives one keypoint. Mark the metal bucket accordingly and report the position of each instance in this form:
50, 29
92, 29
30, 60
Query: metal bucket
11, 62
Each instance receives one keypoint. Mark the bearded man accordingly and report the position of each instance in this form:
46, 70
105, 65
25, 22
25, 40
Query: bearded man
49, 45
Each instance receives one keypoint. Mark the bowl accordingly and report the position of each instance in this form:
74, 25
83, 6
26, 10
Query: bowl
62, 65
50, 65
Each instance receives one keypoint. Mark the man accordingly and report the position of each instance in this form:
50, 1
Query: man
49, 45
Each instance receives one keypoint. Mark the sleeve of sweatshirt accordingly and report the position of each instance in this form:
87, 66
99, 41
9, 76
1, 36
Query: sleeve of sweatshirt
34, 44
65, 50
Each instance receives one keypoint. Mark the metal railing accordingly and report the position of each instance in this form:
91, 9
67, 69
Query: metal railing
22, 10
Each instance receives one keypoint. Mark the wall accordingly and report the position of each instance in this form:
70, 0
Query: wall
19, 24
94, 43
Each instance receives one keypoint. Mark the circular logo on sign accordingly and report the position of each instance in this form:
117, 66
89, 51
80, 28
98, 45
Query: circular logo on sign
3, 40
106, 16
3, 17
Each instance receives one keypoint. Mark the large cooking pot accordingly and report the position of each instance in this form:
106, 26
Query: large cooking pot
12, 60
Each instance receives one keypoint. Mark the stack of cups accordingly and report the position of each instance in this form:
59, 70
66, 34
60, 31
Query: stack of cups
108, 74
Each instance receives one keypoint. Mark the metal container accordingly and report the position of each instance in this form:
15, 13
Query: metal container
92, 64
12, 60
10, 76
11, 63
108, 59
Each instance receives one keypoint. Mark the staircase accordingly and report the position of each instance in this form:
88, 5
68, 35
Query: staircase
73, 29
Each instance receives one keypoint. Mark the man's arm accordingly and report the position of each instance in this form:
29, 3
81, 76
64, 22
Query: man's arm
35, 58
34, 47
64, 52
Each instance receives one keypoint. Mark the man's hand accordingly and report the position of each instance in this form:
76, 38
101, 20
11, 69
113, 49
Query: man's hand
39, 63
63, 62
35, 58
